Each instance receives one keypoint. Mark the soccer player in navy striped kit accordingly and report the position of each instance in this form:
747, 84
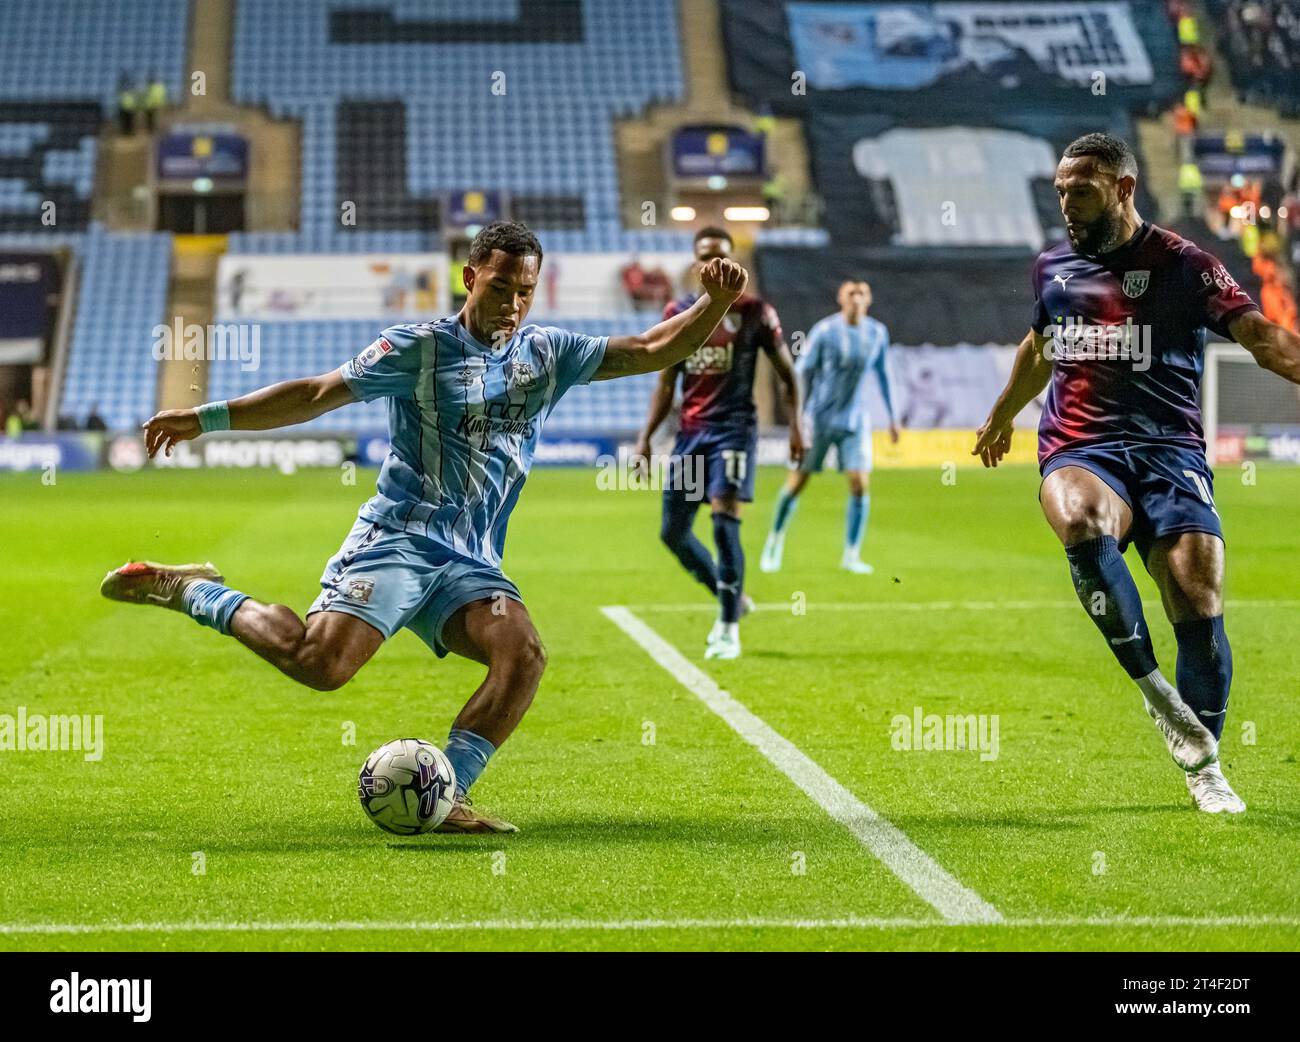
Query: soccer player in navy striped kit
718, 442
1117, 338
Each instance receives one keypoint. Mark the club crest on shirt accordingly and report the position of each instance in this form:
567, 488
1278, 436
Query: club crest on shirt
1135, 283
522, 375
465, 377
359, 590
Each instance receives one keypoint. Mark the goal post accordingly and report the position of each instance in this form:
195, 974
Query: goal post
1249, 413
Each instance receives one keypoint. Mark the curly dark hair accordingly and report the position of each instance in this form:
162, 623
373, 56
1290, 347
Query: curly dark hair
511, 237
1112, 151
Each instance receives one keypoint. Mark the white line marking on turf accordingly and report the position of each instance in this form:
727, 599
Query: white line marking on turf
785, 606
889, 844
540, 925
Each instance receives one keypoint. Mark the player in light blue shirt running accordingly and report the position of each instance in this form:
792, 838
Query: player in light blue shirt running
842, 350
467, 396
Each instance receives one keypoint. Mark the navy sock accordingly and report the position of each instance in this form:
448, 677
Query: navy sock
731, 566
675, 531
1110, 597
469, 754
1204, 669
785, 504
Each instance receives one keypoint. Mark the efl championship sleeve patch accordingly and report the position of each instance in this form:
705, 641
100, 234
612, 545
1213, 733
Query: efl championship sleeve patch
370, 357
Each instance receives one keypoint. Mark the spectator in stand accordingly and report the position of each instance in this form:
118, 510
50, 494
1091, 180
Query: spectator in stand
1196, 65
95, 422
128, 101
647, 289
1192, 187
155, 100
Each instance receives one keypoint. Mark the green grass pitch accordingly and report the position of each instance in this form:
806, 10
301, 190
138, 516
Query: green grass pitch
1080, 833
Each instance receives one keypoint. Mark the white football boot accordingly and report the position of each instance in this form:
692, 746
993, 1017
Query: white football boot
1189, 741
727, 643
746, 606
773, 550
851, 562
1212, 793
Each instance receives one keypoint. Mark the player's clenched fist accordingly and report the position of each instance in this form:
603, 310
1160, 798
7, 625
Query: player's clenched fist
165, 429
723, 279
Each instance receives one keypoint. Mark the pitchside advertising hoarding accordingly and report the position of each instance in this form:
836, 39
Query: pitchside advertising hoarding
393, 286
44, 454
415, 287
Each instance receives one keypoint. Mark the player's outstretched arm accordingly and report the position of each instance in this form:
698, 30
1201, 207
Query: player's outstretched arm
1275, 348
1029, 375
279, 405
674, 339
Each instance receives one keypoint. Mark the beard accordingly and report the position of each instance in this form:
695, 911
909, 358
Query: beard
1100, 236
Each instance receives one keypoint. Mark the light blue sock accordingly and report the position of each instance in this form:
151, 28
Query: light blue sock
211, 604
855, 522
785, 504
469, 754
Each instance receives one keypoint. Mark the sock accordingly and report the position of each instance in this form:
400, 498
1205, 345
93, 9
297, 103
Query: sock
1110, 597
469, 754
855, 524
731, 566
211, 604
785, 504
1204, 669
675, 531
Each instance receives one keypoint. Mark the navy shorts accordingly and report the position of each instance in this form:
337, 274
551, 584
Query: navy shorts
706, 464
1169, 488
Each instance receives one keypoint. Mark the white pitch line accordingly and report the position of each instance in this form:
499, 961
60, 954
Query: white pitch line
615, 925
890, 845
786, 606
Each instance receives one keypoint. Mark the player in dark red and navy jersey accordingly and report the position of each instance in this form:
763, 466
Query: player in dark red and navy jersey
715, 454
1120, 314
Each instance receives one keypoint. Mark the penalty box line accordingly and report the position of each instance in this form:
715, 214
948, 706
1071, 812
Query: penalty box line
890, 845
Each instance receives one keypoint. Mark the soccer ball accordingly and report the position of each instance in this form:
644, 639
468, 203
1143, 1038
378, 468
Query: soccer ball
407, 786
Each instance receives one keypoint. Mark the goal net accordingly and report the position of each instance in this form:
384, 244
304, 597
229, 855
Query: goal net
1249, 413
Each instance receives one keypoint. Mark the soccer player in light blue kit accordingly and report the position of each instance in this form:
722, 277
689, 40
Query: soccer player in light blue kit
467, 396
841, 352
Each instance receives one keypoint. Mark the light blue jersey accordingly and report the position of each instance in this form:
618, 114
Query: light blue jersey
463, 422
833, 371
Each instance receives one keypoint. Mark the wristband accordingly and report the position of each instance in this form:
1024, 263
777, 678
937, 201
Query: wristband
214, 416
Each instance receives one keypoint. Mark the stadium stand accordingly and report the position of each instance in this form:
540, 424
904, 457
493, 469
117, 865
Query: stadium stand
1261, 39
391, 134
52, 111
